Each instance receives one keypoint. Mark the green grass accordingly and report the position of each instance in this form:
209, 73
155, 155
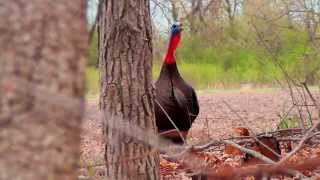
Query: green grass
292, 122
289, 122
206, 78
92, 81
201, 76
209, 75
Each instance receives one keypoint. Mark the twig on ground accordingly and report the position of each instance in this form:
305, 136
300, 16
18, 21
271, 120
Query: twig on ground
254, 134
248, 139
267, 169
301, 143
262, 157
267, 147
289, 139
251, 152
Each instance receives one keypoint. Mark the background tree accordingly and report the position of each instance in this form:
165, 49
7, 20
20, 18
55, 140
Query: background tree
219, 50
41, 88
125, 60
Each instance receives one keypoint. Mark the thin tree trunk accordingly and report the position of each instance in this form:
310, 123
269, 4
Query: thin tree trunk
42, 58
125, 56
231, 7
174, 11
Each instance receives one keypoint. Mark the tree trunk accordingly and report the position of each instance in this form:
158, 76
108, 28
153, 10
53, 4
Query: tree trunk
42, 60
125, 60
174, 10
192, 17
231, 7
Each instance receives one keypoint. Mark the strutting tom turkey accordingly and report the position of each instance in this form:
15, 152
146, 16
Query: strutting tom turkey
174, 97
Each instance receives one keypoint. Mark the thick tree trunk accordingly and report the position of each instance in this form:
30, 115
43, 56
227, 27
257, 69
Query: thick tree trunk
125, 56
42, 48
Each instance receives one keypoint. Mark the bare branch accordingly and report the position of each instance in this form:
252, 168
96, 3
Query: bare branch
301, 143
251, 152
254, 136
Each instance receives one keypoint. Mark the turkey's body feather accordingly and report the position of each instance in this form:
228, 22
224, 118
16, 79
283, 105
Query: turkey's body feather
177, 98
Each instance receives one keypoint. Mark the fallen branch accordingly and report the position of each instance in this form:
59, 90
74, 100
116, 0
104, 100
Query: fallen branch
251, 152
255, 137
266, 169
249, 139
267, 147
301, 143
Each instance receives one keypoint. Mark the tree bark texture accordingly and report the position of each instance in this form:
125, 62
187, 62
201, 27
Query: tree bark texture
125, 60
42, 60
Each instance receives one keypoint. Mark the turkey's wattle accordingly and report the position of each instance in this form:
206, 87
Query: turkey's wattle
174, 95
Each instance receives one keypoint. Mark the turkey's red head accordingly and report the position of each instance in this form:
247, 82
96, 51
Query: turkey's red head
173, 43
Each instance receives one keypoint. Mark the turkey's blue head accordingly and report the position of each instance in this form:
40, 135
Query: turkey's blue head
176, 29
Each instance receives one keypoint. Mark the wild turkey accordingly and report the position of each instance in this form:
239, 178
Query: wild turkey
174, 97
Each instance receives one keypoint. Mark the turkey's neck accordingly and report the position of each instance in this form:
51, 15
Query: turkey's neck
169, 71
173, 44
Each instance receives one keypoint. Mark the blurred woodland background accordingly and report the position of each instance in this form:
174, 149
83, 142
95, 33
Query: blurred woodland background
228, 43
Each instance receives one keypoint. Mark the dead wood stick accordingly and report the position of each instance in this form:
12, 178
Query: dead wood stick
254, 136
251, 152
301, 143
248, 139
267, 147
241, 139
265, 169
261, 157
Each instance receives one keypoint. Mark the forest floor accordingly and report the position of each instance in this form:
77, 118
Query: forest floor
220, 111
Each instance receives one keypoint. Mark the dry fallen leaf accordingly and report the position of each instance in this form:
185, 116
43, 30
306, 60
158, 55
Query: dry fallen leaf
237, 132
167, 167
240, 131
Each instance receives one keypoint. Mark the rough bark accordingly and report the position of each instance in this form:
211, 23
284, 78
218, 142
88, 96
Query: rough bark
42, 58
125, 56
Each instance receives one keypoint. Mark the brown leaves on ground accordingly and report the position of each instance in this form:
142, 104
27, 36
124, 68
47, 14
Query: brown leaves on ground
240, 131
305, 154
259, 111
168, 168
237, 132
233, 162
194, 160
